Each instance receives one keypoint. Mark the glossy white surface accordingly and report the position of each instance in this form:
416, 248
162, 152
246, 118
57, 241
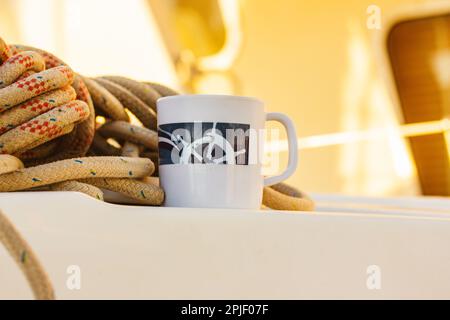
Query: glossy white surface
144, 252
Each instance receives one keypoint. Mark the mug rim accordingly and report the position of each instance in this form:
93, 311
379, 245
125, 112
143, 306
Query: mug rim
204, 96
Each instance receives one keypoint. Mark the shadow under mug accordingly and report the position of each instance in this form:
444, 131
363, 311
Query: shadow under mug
211, 149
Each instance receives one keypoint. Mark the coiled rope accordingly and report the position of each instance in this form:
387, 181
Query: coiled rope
48, 126
47, 121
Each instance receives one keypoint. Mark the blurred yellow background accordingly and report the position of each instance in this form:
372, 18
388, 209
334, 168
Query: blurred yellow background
316, 61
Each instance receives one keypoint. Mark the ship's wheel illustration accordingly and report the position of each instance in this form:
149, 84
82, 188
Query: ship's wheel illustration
212, 140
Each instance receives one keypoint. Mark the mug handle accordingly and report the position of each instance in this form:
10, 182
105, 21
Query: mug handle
292, 142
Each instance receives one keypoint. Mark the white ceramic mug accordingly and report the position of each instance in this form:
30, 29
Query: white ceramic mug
209, 150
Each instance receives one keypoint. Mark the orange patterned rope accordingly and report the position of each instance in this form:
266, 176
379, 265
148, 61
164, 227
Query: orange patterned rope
43, 128
39, 106
15, 67
35, 107
34, 86
77, 142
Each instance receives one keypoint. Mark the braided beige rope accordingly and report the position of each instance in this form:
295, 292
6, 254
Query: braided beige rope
152, 155
284, 197
31, 84
23, 112
106, 101
34, 85
161, 89
146, 193
27, 61
74, 169
43, 128
142, 111
10, 237
74, 143
39, 106
40, 148
129, 132
130, 149
144, 92
101, 146
26, 259
9, 164
76, 186
41, 151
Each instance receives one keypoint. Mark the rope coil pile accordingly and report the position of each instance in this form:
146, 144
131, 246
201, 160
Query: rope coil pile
50, 139
47, 114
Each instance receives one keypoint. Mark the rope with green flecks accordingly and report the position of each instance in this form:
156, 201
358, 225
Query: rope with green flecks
40, 89
47, 114
26, 259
